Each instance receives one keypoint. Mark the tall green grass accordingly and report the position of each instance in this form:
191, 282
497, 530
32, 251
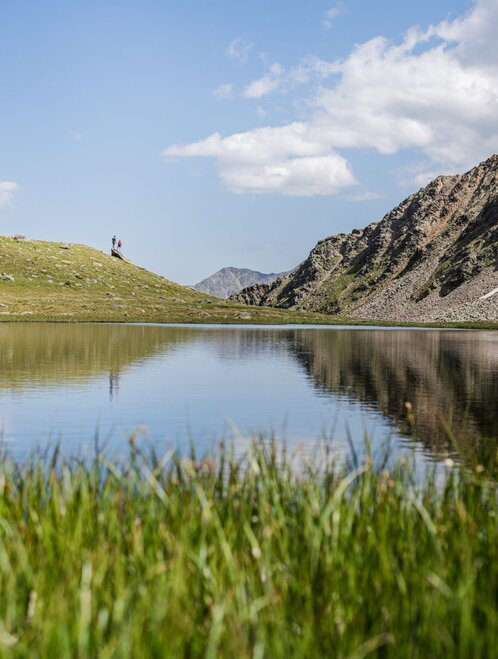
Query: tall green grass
178, 558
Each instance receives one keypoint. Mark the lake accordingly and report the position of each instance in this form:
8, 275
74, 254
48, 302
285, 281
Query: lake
177, 386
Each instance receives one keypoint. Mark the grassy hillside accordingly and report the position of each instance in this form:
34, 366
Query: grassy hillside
51, 282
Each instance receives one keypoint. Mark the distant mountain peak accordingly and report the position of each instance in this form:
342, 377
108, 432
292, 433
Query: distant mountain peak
229, 280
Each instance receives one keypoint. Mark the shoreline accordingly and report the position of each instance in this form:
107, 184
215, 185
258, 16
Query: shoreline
370, 324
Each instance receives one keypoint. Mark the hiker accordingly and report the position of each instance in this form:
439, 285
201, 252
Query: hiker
114, 242
119, 244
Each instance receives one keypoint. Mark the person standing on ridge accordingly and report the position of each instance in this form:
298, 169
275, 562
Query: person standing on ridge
120, 243
114, 242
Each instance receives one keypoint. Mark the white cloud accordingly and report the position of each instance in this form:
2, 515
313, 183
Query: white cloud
261, 87
267, 84
436, 92
419, 174
238, 50
223, 92
7, 191
310, 68
331, 14
262, 113
364, 196
284, 160
300, 177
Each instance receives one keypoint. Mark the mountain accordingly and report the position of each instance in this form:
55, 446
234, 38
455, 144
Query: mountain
433, 258
41, 280
227, 281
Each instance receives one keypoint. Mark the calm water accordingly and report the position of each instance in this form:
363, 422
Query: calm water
176, 385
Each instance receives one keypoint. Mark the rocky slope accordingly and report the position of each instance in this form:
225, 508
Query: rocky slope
430, 259
227, 281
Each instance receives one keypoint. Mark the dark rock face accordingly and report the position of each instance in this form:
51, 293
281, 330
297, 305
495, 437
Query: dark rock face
227, 281
431, 258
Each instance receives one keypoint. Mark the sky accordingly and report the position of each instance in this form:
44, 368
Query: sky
225, 133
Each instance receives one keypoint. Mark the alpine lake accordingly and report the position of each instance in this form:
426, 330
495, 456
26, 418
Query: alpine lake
431, 394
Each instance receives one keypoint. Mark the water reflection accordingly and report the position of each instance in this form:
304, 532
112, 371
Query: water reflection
188, 381
449, 378
41, 354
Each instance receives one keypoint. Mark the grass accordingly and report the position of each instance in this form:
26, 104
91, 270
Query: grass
181, 558
81, 284
84, 284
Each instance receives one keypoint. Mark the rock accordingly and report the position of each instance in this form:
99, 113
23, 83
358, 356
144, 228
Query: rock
430, 258
4, 277
19, 236
65, 246
228, 281
253, 295
3, 305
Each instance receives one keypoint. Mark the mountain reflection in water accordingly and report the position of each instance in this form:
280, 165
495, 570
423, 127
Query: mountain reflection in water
68, 376
449, 378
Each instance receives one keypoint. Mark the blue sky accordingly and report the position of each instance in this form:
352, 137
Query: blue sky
234, 133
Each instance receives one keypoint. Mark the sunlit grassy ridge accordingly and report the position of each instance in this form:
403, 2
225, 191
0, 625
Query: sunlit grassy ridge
82, 283
213, 559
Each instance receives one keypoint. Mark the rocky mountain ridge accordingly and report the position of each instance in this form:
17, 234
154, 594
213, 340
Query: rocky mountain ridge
432, 258
228, 281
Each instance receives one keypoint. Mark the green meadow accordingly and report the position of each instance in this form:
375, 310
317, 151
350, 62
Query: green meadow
58, 282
